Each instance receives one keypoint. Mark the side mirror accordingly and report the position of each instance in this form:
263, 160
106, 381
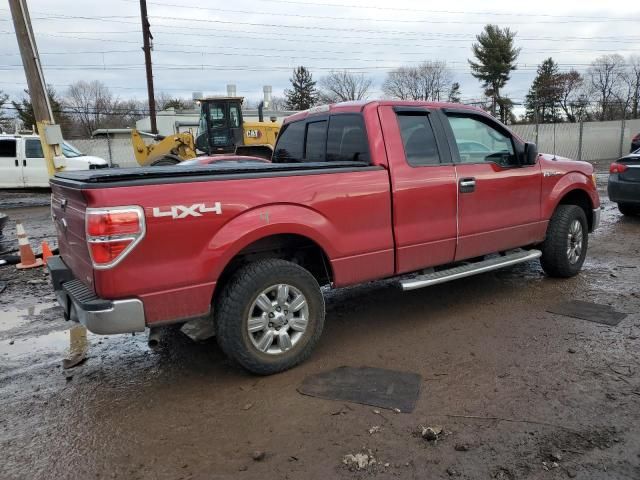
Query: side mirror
530, 153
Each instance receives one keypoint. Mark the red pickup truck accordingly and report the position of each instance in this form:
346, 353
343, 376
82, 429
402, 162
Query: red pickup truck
358, 191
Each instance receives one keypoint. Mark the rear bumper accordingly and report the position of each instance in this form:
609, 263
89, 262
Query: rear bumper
621, 191
104, 317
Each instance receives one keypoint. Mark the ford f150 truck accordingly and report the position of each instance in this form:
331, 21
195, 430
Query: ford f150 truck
358, 191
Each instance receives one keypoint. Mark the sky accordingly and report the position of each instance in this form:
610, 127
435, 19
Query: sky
203, 46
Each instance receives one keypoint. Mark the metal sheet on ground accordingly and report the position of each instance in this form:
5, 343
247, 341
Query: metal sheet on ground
592, 312
366, 385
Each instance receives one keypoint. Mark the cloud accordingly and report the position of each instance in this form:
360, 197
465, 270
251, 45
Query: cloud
251, 44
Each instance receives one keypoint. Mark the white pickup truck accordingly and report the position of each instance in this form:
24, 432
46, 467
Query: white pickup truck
22, 163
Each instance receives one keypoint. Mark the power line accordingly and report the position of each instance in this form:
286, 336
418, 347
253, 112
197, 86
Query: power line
457, 12
412, 10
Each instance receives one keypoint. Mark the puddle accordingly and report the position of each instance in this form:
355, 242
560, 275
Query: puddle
13, 318
53, 342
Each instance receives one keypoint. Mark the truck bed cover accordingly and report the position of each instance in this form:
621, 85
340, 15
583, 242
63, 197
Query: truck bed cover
114, 177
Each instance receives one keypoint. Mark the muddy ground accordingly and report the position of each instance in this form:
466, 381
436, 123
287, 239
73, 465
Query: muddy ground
520, 393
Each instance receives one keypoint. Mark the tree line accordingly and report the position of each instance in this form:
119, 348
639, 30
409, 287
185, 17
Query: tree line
608, 90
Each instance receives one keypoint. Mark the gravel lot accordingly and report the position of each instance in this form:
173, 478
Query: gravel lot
519, 392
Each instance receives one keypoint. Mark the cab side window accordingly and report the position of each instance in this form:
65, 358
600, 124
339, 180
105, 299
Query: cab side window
33, 149
418, 139
478, 142
8, 148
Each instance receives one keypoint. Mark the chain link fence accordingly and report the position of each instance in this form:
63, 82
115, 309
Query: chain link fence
590, 141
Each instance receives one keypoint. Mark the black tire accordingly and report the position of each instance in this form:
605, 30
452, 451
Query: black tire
555, 258
236, 299
166, 161
628, 209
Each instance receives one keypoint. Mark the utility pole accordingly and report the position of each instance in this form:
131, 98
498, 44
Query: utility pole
147, 37
50, 135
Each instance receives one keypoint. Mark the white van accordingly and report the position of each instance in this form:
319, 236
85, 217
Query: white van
22, 163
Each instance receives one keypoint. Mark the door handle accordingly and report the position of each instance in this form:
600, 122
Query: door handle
467, 185
17, 164
24, 162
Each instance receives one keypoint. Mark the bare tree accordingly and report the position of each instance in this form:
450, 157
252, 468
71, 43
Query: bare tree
606, 77
278, 103
344, 86
427, 81
89, 104
570, 86
633, 78
165, 101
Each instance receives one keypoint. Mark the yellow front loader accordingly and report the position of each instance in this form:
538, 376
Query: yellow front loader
221, 130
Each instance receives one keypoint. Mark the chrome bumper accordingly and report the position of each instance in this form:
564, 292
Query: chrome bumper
596, 219
104, 317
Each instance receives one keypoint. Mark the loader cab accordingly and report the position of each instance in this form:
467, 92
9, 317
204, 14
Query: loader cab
220, 125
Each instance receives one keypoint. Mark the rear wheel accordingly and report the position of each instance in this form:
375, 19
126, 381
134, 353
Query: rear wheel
629, 209
565, 246
269, 316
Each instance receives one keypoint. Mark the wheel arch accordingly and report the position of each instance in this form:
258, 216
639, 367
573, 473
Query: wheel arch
574, 188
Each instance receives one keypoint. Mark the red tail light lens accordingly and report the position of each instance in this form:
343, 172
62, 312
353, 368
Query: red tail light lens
636, 137
617, 167
112, 233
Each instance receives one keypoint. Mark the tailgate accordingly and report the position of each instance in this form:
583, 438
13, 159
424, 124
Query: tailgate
68, 206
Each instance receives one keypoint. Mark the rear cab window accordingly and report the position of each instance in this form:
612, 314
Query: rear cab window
418, 139
338, 138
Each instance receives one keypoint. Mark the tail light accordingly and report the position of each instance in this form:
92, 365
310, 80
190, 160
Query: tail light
112, 233
617, 167
636, 138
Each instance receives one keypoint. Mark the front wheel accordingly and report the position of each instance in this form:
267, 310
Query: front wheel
565, 246
269, 316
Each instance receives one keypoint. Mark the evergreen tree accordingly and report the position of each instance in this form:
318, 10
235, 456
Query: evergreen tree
496, 57
454, 93
545, 95
303, 95
5, 120
24, 111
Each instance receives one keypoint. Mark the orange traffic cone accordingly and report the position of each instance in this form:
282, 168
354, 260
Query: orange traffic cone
46, 252
27, 258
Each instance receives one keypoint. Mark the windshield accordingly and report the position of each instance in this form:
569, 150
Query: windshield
70, 151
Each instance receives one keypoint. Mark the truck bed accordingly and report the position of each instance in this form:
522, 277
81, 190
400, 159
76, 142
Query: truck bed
115, 177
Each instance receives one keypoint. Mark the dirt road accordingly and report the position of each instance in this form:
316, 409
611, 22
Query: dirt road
520, 393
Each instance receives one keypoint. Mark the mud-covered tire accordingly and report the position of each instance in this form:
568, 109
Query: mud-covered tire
628, 209
556, 259
166, 161
237, 304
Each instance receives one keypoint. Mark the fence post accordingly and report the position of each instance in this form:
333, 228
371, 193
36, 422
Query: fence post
109, 149
622, 125
580, 139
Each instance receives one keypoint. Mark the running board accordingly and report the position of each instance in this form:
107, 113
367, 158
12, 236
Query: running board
455, 273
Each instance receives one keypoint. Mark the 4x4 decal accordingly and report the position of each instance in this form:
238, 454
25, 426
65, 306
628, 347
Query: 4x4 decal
183, 211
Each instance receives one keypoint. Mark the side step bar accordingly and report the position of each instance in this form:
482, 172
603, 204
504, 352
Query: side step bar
443, 276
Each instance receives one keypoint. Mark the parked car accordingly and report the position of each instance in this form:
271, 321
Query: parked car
635, 143
355, 192
624, 183
22, 163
